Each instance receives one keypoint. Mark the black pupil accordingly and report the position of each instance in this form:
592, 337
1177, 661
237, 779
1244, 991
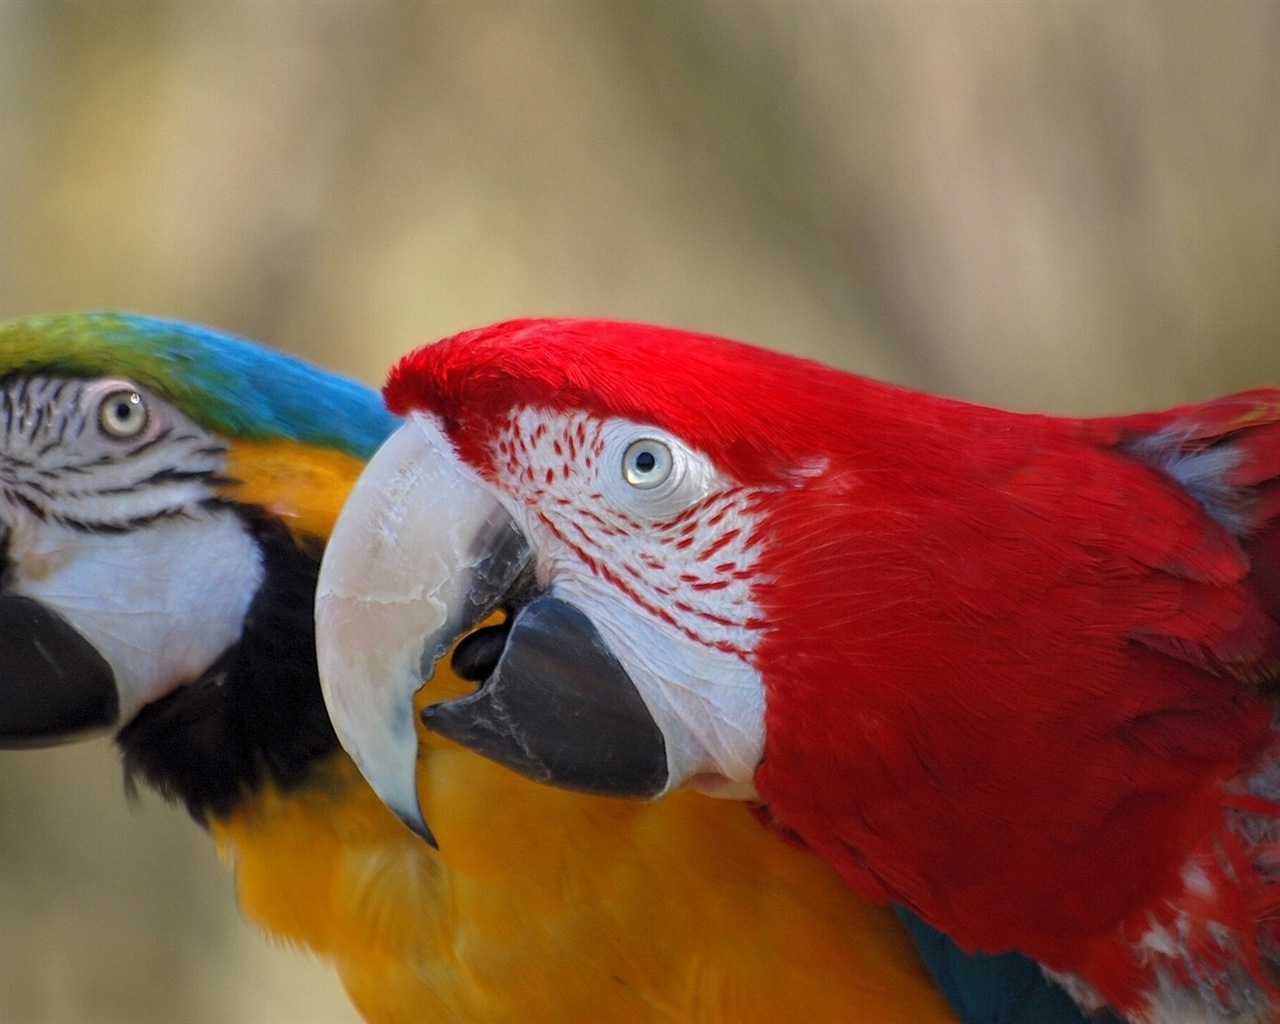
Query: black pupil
123, 409
645, 462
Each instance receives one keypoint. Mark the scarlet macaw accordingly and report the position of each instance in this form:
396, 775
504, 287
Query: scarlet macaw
165, 493
1016, 673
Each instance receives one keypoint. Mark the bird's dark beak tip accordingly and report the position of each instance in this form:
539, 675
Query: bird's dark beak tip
56, 687
418, 826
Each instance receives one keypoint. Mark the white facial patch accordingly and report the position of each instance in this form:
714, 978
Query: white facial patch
664, 571
108, 511
64, 454
160, 604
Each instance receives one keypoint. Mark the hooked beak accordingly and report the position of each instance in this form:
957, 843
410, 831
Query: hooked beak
54, 685
422, 552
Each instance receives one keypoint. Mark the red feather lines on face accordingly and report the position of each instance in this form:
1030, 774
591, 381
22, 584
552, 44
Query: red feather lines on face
692, 571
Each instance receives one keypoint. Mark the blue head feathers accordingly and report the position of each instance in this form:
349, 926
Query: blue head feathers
226, 384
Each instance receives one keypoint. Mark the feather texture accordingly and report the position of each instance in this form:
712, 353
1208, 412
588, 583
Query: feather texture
571, 908
1018, 670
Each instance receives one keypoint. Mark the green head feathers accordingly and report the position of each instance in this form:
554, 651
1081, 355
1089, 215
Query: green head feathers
225, 384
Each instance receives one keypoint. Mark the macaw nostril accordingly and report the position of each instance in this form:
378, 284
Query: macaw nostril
476, 655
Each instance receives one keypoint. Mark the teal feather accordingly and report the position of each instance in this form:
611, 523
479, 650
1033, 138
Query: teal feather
224, 383
994, 989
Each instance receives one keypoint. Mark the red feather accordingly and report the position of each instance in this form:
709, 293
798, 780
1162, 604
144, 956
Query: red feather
1019, 671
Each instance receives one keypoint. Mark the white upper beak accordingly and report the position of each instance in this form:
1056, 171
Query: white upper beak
398, 584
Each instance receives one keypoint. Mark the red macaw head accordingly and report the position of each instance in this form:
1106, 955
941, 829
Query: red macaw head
603, 485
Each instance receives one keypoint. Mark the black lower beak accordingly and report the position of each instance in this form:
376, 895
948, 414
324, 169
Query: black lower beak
557, 706
54, 685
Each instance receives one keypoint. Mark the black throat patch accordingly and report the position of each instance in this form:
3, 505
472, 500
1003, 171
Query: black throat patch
255, 716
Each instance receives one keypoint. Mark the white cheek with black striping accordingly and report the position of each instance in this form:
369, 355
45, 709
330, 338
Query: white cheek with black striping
102, 454
111, 518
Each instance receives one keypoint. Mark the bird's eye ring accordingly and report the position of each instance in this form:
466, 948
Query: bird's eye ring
122, 414
646, 463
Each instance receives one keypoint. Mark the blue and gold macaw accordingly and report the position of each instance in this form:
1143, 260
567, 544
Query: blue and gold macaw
165, 494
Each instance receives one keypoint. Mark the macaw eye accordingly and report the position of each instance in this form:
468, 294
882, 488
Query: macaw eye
660, 476
122, 413
646, 463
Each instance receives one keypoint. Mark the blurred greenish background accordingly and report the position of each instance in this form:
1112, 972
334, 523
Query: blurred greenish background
1072, 207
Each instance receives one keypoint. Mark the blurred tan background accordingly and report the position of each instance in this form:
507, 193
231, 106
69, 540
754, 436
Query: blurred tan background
1072, 207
